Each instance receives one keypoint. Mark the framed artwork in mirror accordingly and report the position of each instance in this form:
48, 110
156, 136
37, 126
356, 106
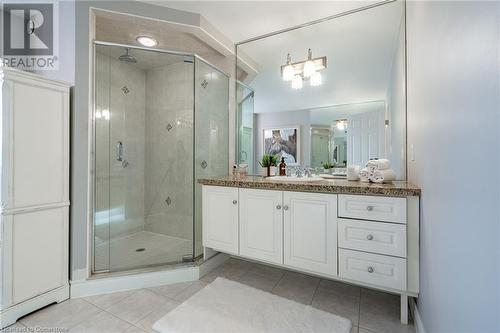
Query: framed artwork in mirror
283, 142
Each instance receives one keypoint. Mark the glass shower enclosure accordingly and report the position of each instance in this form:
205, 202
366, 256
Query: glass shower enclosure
160, 122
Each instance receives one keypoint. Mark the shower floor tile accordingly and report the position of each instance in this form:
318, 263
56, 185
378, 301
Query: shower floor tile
127, 252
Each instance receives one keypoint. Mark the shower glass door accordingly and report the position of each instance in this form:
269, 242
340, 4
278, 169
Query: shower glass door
143, 158
211, 133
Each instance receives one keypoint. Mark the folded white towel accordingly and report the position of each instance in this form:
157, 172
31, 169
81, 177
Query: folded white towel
380, 164
364, 175
383, 176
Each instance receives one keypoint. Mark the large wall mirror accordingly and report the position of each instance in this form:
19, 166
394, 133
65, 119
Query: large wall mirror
330, 93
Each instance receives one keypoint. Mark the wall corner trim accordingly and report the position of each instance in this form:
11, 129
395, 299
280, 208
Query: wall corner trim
419, 325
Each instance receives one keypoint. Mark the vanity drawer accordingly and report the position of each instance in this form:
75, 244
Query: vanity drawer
377, 237
386, 209
375, 269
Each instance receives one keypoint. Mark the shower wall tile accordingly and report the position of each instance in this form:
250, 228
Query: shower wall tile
169, 150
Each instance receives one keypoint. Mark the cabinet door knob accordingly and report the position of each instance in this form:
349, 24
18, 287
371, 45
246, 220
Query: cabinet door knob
285, 207
370, 269
369, 208
278, 207
369, 237
235, 202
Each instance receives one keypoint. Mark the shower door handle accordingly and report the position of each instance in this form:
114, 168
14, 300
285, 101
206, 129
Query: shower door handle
119, 151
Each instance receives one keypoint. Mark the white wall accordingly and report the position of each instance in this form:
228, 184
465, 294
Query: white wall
66, 70
453, 90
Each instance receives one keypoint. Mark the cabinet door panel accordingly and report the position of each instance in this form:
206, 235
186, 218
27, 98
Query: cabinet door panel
261, 226
220, 218
310, 232
39, 252
39, 146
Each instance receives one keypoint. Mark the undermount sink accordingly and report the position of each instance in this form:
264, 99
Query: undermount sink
296, 179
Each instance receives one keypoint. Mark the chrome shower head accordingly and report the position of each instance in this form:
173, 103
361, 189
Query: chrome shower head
127, 57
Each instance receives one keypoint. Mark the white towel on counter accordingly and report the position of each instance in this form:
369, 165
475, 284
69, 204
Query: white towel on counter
383, 176
380, 164
364, 175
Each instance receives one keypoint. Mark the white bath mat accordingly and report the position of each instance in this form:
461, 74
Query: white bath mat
227, 306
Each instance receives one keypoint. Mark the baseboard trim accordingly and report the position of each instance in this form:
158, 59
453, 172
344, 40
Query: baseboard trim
419, 325
111, 284
107, 285
10, 315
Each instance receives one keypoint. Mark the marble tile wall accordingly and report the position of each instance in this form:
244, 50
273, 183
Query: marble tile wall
168, 198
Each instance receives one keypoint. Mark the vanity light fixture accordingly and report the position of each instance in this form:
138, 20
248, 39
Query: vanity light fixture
303, 70
146, 41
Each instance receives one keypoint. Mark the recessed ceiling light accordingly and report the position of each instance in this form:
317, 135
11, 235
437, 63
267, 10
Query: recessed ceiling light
147, 41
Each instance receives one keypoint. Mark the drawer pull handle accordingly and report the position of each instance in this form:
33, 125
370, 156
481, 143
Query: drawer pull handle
285, 207
370, 269
278, 207
369, 237
369, 208
235, 202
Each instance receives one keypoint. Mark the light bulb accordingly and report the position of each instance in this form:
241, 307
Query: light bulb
316, 79
297, 82
288, 73
147, 41
340, 125
309, 67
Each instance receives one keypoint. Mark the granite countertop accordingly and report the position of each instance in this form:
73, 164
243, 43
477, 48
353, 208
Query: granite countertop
341, 186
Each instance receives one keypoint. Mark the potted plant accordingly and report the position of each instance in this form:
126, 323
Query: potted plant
268, 162
328, 166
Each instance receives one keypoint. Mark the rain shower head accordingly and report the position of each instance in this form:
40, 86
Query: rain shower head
127, 57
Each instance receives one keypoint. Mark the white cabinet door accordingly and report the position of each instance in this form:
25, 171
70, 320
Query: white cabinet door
35, 253
310, 231
261, 225
220, 218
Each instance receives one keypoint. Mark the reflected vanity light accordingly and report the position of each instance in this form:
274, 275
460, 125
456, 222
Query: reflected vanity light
316, 79
297, 82
306, 70
104, 114
341, 124
146, 41
309, 67
288, 71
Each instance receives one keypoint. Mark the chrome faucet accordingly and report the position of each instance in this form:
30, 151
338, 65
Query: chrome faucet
299, 173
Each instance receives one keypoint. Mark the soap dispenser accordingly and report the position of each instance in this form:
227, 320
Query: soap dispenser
282, 167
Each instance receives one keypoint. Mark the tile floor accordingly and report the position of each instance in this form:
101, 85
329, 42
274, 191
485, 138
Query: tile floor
136, 310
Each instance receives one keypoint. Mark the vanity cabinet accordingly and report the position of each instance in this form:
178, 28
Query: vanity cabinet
369, 240
261, 225
220, 219
310, 232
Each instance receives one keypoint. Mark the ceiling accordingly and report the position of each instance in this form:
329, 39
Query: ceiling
241, 20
